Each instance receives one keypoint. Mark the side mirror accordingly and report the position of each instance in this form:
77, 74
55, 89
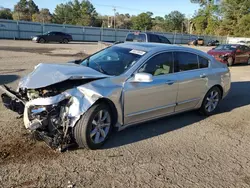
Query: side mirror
142, 77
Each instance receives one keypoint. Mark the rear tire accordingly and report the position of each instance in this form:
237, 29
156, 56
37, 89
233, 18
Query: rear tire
65, 41
211, 101
94, 127
41, 40
230, 61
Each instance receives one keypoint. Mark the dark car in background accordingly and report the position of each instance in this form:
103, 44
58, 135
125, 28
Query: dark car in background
198, 41
146, 37
53, 36
213, 43
231, 54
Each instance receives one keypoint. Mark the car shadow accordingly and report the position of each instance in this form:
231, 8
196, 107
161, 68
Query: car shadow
8, 71
240, 64
238, 97
6, 79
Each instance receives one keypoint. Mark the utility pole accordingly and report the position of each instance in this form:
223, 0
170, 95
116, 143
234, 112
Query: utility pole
114, 9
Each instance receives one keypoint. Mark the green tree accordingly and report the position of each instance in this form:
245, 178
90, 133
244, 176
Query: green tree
142, 22
24, 10
175, 21
243, 26
63, 14
206, 20
158, 24
123, 21
5, 13
232, 12
44, 16
76, 13
21, 11
32, 8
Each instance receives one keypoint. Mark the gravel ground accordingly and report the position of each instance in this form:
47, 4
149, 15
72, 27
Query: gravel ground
186, 150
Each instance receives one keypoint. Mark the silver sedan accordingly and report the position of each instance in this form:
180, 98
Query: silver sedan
122, 85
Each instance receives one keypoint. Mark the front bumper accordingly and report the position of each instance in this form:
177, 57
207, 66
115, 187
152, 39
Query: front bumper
11, 101
35, 39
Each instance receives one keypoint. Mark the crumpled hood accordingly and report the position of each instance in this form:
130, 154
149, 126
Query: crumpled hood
49, 74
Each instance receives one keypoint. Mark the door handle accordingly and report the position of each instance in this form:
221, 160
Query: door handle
203, 75
170, 82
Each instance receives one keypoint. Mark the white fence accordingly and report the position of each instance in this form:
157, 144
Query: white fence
10, 29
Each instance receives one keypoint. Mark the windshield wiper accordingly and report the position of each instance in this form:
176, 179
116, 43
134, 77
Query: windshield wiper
100, 68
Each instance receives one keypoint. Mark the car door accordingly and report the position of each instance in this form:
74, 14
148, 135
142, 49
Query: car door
50, 36
246, 51
58, 37
144, 101
192, 78
240, 54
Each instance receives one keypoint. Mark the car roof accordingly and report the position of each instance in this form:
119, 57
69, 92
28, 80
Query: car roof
147, 46
147, 33
155, 47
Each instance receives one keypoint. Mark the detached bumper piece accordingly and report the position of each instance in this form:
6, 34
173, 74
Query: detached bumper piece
12, 104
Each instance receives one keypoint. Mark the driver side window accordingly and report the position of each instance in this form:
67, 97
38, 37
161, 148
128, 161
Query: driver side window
159, 65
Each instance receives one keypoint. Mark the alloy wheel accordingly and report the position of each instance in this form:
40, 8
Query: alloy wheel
100, 126
212, 101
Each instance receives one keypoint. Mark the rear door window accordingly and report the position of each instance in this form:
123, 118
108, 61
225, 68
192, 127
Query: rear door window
203, 62
185, 61
134, 37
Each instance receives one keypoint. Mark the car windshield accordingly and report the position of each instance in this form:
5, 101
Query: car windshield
46, 33
226, 47
114, 60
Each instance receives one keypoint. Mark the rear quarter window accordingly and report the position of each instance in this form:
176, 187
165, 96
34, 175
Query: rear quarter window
132, 37
186, 61
203, 62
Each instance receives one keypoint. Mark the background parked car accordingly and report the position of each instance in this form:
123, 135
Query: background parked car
198, 41
247, 43
146, 37
232, 53
213, 43
53, 36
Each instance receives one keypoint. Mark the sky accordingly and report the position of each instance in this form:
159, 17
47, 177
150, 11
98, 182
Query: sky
134, 7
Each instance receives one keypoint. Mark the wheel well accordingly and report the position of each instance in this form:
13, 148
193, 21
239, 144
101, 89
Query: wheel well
112, 107
220, 88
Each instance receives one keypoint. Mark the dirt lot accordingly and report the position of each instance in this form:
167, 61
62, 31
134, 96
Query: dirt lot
187, 150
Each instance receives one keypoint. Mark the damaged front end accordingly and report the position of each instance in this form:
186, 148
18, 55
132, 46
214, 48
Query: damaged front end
49, 115
52, 99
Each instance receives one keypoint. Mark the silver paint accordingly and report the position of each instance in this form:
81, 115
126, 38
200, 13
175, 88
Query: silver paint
49, 74
134, 101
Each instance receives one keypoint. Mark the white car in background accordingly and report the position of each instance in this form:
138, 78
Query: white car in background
247, 43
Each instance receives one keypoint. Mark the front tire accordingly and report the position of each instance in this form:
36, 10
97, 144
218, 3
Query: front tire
65, 41
211, 101
41, 40
94, 127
